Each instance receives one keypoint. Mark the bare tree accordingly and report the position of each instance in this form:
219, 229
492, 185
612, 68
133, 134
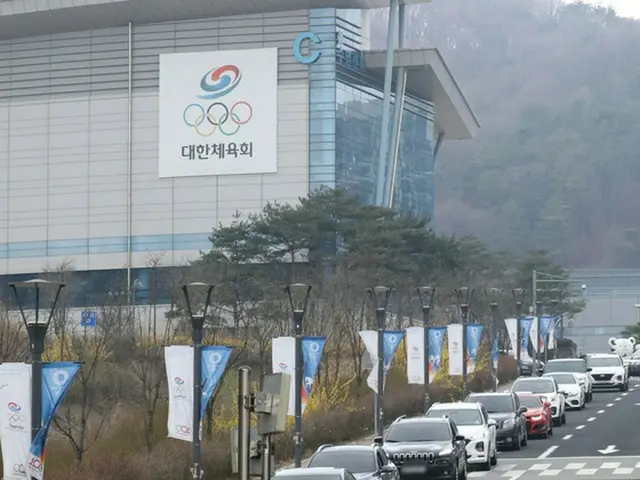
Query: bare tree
13, 340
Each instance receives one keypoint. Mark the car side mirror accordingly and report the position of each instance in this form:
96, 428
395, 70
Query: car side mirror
460, 438
589, 369
521, 410
378, 441
492, 422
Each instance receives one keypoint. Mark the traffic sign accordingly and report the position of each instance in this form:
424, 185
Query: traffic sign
88, 318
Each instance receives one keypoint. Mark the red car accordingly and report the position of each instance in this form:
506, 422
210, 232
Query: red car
538, 415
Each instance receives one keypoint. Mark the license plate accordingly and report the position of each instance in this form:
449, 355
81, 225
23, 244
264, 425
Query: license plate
414, 469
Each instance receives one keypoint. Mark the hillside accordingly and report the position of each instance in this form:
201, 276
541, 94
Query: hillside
557, 90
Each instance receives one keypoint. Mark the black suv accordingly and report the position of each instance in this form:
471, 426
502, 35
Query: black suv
427, 448
366, 462
505, 409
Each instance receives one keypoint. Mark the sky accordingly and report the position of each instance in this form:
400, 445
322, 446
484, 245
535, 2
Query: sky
625, 8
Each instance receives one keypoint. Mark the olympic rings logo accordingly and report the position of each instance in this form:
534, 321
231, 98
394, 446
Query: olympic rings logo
217, 117
182, 430
19, 468
16, 418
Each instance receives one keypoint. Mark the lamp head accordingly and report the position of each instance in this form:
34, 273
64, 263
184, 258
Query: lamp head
197, 296
298, 296
380, 296
493, 294
465, 296
518, 295
427, 296
39, 292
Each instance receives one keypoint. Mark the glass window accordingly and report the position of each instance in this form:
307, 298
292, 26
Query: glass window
530, 401
577, 366
459, 417
534, 385
494, 403
419, 432
604, 362
564, 378
353, 461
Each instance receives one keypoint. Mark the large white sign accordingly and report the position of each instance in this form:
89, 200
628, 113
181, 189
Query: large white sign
218, 113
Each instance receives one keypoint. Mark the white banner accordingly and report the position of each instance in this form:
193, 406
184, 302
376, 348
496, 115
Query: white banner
552, 331
370, 340
534, 336
456, 357
512, 331
15, 424
415, 355
283, 360
179, 364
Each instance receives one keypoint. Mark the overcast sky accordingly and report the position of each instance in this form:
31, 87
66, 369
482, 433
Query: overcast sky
626, 8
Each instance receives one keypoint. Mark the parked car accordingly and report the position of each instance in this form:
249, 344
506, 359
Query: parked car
538, 415
574, 393
506, 410
367, 462
472, 421
547, 388
608, 371
634, 365
573, 365
314, 474
525, 366
427, 447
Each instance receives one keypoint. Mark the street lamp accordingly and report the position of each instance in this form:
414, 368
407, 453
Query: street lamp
518, 297
493, 294
465, 296
380, 296
197, 296
427, 296
37, 331
298, 297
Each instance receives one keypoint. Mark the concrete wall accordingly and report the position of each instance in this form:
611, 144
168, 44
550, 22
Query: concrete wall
64, 143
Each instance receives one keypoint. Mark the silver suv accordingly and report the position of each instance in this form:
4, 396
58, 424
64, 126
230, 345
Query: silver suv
573, 365
608, 371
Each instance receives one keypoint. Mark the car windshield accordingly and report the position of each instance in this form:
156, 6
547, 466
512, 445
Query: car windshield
530, 401
604, 362
533, 385
564, 378
354, 462
419, 432
459, 416
574, 366
494, 403
310, 476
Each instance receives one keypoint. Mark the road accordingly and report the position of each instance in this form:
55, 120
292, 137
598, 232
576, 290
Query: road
601, 442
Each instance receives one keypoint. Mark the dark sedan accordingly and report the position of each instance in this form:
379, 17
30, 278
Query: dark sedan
366, 462
505, 409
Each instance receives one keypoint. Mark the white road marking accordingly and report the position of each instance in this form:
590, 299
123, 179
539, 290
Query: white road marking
623, 471
625, 394
514, 474
587, 471
574, 466
591, 419
506, 467
618, 399
632, 389
549, 473
600, 411
567, 437
539, 466
611, 404
548, 452
476, 474
610, 465
579, 427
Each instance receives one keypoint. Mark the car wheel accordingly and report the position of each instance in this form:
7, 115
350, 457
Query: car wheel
563, 419
557, 422
550, 429
515, 444
494, 457
589, 396
621, 388
525, 439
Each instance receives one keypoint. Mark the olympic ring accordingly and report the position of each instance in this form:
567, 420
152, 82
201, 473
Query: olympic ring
183, 429
216, 115
15, 418
19, 468
178, 381
314, 347
60, 377
215, 359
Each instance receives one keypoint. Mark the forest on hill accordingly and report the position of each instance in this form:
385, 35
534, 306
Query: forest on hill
557, 90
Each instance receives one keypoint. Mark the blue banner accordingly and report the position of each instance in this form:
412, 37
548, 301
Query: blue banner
545, 323
495, 354
557, 329
214, 363
56, 379
474, 334
312, 349
436, 341
392, 339
525, 331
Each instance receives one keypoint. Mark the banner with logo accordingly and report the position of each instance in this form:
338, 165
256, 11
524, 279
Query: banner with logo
214, 364
436, 342
545, 329
474, 334
454, 337
312, 349
512, 331
534, 335
15, 421
391, 340
56, 380
552, 333
415, 355
495, 354
525, 331
178, 361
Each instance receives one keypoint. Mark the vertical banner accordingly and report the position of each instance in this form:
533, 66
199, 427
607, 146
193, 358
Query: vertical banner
545, 329
552, 334
415, 355
512, 331
178, 361
454, 337
56, 380
474, 334
436, 342
15, 421
214, 364
312, 349
495, 354
391, 341
534, 335
525, 331
283, 360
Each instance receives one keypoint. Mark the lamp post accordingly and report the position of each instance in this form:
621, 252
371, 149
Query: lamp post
197, 296
465, 296
518, 297
37, 327
298, 297
380, 296
493, 294
426, 296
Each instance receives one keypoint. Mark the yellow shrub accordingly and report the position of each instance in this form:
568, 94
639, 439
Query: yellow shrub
324, 398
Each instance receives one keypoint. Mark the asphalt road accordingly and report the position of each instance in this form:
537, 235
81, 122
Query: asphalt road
600, 442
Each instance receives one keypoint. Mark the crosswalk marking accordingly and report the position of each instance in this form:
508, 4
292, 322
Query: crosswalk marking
476, 474
610, 465
587, 471
574, 466
540, 466
514, 473
550, 473
623, 471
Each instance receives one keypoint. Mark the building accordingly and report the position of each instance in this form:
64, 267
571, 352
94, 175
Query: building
111, 113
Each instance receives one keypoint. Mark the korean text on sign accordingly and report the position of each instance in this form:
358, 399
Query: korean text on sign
217, 151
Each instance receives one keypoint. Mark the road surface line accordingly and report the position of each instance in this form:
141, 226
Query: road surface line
579, 427
609, 404
625, 394
591, 419
548, 452
587, 471
600, 411
567, 437
618, 399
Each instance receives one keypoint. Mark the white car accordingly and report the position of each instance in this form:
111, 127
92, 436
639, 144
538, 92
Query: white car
548, 390
573, 365
472, 421
574, 392
608, 371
